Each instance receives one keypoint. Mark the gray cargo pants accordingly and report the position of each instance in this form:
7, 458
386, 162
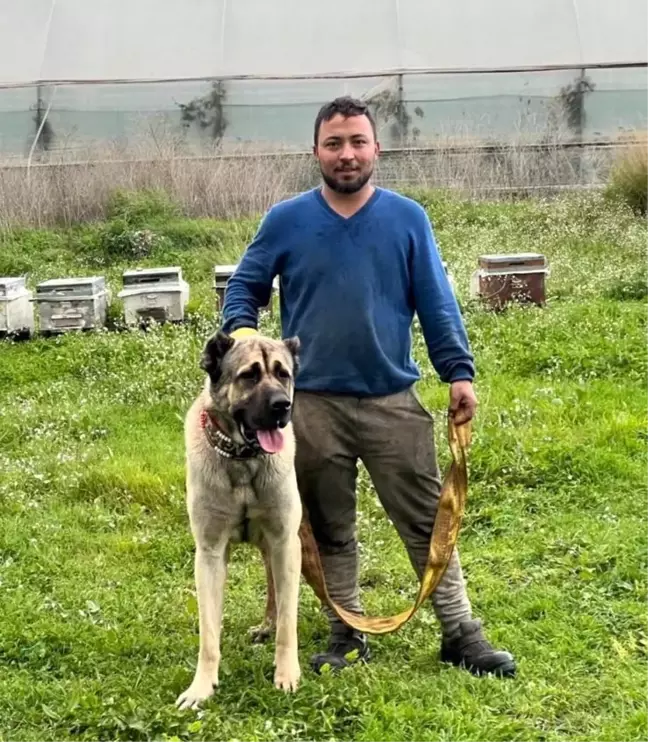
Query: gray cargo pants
393, 437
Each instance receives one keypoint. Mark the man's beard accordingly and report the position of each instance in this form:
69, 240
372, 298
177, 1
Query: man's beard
352, 186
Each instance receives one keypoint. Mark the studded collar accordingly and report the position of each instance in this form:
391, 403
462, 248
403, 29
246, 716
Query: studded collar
223, 444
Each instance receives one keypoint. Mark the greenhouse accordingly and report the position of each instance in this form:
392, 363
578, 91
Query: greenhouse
254, 72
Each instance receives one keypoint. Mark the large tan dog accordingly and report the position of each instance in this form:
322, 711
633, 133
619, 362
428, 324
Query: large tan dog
241, 486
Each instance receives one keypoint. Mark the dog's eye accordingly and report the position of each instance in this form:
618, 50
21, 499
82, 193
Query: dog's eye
249, 375
282, 374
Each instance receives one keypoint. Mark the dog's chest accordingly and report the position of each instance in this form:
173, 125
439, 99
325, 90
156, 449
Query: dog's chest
241, 476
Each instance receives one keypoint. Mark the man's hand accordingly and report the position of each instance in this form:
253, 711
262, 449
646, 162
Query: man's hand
463, 402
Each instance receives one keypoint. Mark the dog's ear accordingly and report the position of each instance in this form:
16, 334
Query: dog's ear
293, 344
214, 352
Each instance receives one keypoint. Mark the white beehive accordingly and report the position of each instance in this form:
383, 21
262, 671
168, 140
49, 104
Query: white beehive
71, 304
16, 311
154, 293
222, 274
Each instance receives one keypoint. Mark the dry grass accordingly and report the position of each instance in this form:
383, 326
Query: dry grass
488, 171
63, 191
629, 174
66, 193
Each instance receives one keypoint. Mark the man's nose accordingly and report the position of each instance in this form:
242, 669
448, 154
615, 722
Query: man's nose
347, 153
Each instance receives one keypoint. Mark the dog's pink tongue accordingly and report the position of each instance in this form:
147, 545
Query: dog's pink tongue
271, 441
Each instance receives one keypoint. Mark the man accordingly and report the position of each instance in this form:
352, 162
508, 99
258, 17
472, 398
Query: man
355, 262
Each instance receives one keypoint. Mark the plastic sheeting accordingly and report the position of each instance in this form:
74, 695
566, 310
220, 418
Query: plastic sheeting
116, 71
270, 113
146, 40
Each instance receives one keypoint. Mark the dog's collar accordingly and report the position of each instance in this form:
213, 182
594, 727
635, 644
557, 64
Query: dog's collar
223, 444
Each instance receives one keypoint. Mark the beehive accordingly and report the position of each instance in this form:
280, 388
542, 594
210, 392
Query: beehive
519, 277
222, 274
450, 277
154, 293
16, 310
71, 304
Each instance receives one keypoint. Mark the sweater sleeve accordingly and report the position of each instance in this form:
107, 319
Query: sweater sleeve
250, 286
437, 308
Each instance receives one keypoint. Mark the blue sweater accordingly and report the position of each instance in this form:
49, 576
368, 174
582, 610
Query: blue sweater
349, 288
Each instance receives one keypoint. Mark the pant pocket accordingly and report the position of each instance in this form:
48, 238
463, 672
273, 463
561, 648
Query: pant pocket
418, 404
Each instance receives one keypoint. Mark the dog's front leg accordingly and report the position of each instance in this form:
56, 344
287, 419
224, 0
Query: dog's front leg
210, 574
285, 557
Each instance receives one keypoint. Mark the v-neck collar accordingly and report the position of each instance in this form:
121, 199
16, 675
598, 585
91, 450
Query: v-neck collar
347, 219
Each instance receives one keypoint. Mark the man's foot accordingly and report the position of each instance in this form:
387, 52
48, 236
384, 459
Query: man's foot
346, 646
469, 649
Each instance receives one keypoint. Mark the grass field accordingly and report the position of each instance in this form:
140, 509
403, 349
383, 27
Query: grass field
98, 617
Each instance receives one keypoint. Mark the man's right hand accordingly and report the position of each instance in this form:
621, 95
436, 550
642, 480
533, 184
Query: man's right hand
243, 332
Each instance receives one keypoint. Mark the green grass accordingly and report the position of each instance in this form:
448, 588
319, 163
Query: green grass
98, 619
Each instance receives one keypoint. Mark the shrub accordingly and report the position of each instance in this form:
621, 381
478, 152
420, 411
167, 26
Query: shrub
121, 241
629, 176
142, 207
634, 288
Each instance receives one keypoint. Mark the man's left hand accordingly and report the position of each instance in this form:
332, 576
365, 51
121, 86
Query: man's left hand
463, 402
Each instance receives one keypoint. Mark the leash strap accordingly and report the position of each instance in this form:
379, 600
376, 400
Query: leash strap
447, 523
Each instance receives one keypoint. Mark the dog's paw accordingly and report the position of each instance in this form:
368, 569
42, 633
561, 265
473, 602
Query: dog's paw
287, 677
261, 634
200, 690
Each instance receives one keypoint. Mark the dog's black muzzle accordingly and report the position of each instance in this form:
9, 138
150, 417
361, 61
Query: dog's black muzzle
276, 413
271, 411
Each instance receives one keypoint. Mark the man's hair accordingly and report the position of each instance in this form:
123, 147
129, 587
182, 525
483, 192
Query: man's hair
345, 106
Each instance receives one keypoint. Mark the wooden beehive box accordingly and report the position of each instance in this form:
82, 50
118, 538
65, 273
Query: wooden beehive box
154, 293
518, 277
16, 310
71, 304
222, 274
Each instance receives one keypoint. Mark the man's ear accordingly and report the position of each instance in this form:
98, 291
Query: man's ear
293, 344
214, 352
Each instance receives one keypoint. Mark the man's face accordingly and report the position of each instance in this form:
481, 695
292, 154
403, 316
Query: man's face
346, 151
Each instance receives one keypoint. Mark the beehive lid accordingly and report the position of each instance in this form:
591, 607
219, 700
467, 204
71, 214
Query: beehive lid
224, 271
222, 274
148, 276
61, 288
513, 262
12, 287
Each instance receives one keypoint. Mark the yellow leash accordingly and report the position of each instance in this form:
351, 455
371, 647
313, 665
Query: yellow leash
442, 542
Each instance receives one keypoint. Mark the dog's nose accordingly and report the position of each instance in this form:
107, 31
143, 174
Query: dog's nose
280, 405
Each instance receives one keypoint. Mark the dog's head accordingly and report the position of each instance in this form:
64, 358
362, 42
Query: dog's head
251, 382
